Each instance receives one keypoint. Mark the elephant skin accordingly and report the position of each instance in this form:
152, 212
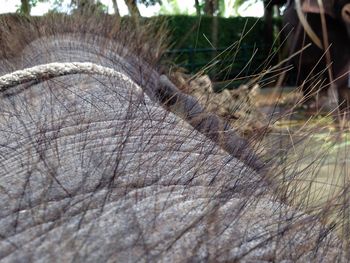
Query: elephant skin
96, 169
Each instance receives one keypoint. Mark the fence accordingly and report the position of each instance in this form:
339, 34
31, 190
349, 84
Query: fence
222, 63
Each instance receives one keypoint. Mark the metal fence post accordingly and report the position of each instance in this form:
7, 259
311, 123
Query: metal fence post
191, 58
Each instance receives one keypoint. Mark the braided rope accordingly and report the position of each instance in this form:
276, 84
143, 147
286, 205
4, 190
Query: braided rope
51, 70
188, 105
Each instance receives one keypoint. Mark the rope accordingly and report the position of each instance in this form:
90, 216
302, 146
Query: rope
51, 70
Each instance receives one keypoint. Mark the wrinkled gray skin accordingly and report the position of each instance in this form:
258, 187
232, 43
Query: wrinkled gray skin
312, 61
93, 169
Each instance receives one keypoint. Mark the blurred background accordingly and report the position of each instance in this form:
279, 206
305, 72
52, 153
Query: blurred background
228, 40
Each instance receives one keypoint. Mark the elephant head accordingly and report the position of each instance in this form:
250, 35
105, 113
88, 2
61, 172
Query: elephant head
94, 167
339, 9
326, 26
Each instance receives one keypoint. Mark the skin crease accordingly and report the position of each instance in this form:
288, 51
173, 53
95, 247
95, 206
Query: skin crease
96, 170
308, 63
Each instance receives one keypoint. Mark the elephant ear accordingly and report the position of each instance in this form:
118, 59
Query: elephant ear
314, 6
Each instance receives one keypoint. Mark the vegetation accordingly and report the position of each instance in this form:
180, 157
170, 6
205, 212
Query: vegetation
202, 7
306, 162
191, 37
206, 30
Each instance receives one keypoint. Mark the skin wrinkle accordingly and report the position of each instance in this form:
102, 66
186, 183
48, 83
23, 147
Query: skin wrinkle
171, 90
170, 196
141, 183
205, 124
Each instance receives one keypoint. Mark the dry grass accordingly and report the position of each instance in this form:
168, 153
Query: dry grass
309, 146
103, 171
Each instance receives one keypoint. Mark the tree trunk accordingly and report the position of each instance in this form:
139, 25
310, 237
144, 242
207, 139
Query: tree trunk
198, 9
84, 5
215, 42
268, 14
133, 9
214, 7
215, 26
115, 7
209, 7
25, 7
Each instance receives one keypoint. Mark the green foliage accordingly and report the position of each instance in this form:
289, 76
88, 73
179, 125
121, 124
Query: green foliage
33, 3
230, 30
91, 5
173, 7
150, 2
226, 8
26, 6
241, 35
238, 3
